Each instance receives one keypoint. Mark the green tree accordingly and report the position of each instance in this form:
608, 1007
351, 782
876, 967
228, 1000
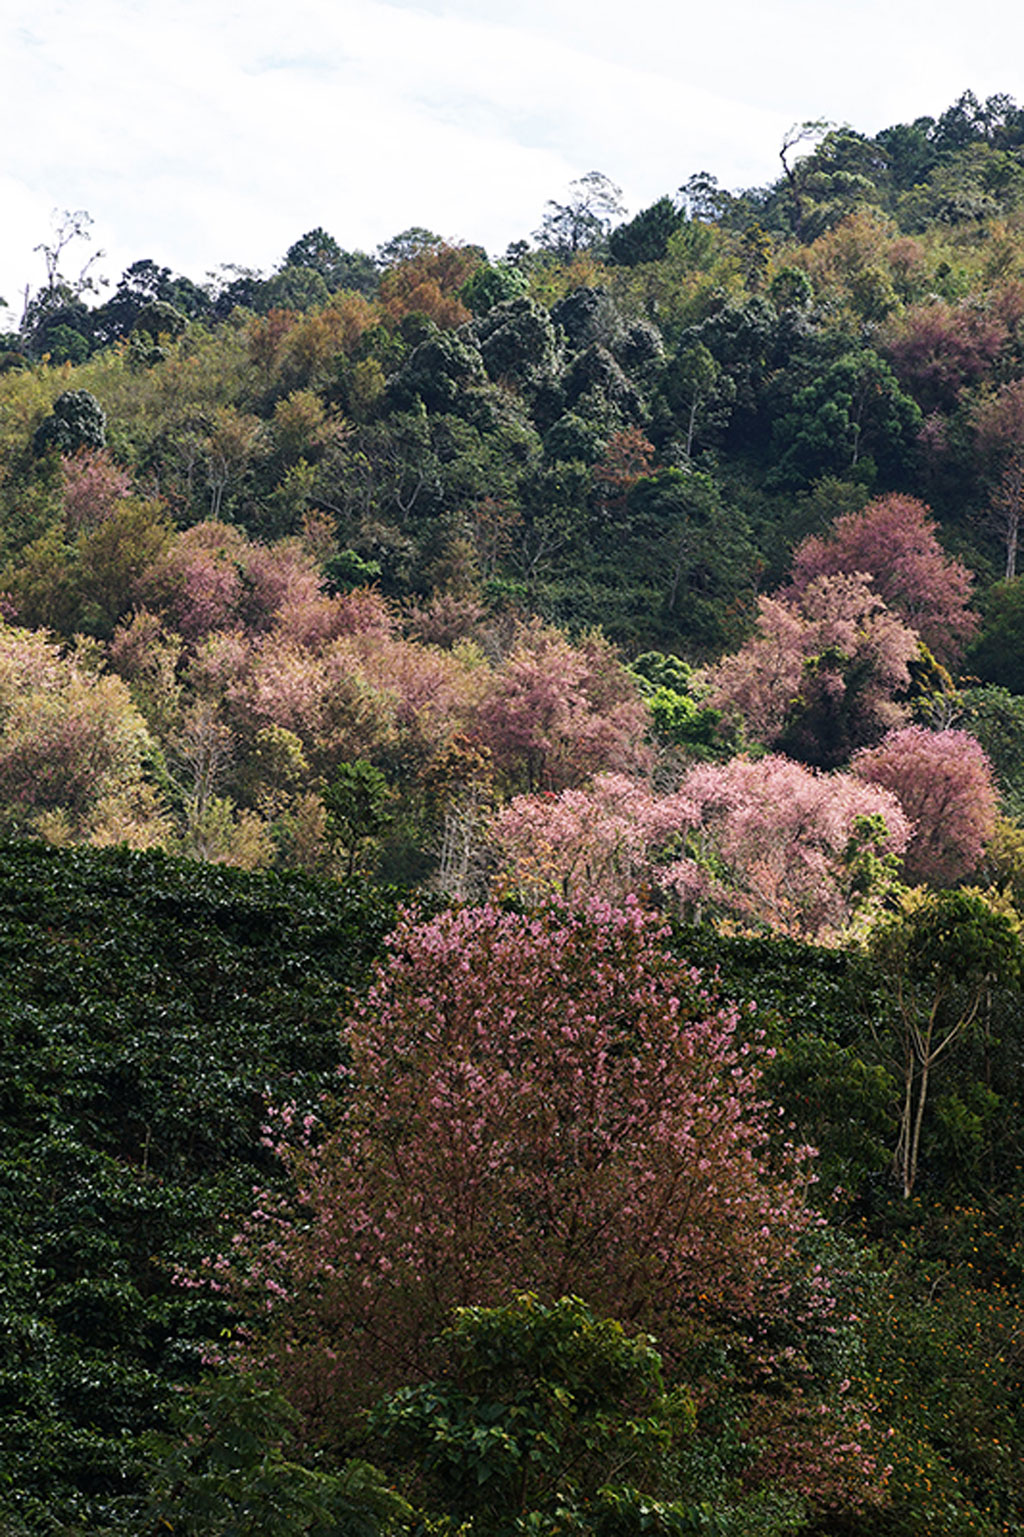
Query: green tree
76, 421
356, 802
542, 1414
230, 1467
848, 418
492, 285
997, 656
293, 288
942, 958
699, 551
698, 392
317, 250
645, 237
996, 718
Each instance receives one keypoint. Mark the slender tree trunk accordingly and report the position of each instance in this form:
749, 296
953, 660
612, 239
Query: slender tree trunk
694, 403
901, 1160
1012, 536
915, 1143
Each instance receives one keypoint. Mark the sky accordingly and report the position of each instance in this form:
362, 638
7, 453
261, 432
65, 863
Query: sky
201, 133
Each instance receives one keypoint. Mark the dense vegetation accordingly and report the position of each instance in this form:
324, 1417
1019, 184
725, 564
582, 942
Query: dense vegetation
650, 594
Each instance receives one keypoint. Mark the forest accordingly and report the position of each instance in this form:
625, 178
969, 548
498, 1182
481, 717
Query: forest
512, 918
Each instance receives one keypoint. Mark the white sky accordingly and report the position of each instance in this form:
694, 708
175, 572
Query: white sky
201, 132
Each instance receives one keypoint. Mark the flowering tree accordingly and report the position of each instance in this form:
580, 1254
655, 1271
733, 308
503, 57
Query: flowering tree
775, 844
937, 349
765, 841
555, 713
212, 577
822, 672
893, 541
579, 844
93, 485
944, 783
196, 585
551, 1099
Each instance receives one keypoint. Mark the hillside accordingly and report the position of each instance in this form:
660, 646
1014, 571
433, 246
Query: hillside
641, 606
389, 466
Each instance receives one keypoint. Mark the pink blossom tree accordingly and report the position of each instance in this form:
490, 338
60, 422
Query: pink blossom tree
212, 577
555, 713
944, 782
766, 842
551, 1101
196, 585
822, 673
777, 845
893, 540
93, 486
596, 841
938, 349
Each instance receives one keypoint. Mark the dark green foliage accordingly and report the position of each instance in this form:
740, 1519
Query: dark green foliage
149, 1009
60, 325
66, 344
945, 960
518, 344
997, 656
697, 552
996, 718
587, 315
942, 1317
356, 802
76, 421
141, 285
596, 375
293, 288
490, 286
646, 236
443, 366
160, 319
230, 1468
850, 419
541, 1413
322, 254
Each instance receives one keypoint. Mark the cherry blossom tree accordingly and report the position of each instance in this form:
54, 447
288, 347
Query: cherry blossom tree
938, 349
766, 842
212, 577
552, 1099
196, 585
584, 843
893, 540
822, 673
555, 713
777, 845
944, 783
93, 485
